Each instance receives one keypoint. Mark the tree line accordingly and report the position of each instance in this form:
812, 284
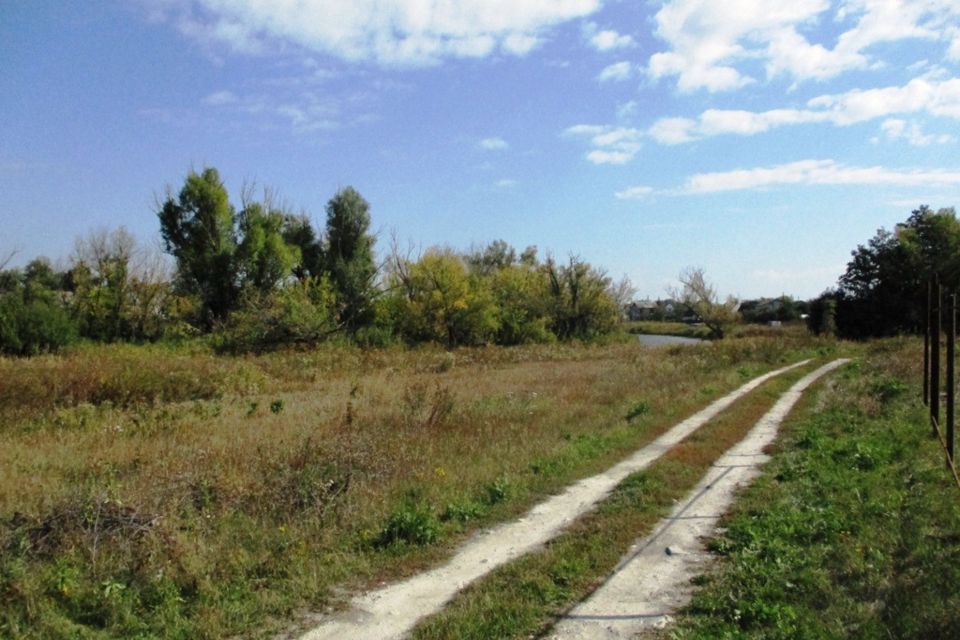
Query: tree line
883, 290
255, 276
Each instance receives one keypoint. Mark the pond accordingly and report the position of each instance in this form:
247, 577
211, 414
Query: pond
652, 340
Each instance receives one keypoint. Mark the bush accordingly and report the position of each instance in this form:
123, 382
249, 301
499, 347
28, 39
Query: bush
299, 313
37, 326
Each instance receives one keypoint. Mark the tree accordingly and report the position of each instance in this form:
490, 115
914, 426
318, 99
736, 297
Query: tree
436, 299
198, 229
298, 232
32, 316
349, 257
700, 298
495, 256
581, 304
119, 288
520, 293
883, 290
264, 257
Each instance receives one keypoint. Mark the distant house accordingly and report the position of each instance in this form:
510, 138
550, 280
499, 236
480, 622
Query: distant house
641, 310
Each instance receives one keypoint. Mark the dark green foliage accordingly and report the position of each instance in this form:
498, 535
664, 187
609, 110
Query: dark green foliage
299, 233
413, 523
639, 409
822, 318
884, 288
39, 325
349, 257
198, 229
32, 315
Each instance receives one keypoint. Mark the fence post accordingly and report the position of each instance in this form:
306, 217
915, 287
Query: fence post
951, 389
926, 347
935, 329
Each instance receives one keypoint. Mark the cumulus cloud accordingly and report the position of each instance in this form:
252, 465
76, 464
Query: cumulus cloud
674, 130
606, 39
708, 43
494, 144
616, 72
610, 145
402, 32
816, 172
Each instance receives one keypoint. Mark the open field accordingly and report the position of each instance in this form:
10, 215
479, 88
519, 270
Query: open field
156, 492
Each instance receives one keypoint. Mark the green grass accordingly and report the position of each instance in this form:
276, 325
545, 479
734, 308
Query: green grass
854, 529
168, 492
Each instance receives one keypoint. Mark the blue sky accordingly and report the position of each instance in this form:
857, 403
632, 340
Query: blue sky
758, 139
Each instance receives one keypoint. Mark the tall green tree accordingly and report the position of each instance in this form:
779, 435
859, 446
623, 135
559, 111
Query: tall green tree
264, 257
198, 229
883, 290
349, 257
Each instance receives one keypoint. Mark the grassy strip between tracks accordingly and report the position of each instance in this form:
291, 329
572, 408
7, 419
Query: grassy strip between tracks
525, 597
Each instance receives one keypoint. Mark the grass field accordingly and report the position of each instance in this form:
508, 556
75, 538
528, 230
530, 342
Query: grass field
168, 492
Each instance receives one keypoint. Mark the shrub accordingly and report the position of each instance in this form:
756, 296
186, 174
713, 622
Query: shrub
413, 523
299, 313
38, 326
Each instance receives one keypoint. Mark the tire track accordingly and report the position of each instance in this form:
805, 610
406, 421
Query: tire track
653, 579
392, 611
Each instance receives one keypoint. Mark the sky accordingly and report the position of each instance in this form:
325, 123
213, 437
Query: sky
759, 140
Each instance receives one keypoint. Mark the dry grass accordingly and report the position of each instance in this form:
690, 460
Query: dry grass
169, 493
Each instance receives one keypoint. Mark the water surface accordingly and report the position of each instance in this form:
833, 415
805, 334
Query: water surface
652, 340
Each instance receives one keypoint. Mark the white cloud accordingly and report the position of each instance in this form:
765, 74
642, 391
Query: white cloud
400, 32
505, 183
634, 193
897, 129
607, 39
611, 145
618, 71
584, 130
674, 130
816, 172
602, 156
936, 98
708, 42
494, 144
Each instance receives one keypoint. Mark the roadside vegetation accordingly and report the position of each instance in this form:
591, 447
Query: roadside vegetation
852, 531
157, 491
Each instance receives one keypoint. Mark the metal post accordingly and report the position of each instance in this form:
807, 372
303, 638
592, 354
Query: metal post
935, 359
951, 389
926, 347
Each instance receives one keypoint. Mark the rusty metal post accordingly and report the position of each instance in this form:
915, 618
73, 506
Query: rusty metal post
951, 388
926, 347
935, 329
